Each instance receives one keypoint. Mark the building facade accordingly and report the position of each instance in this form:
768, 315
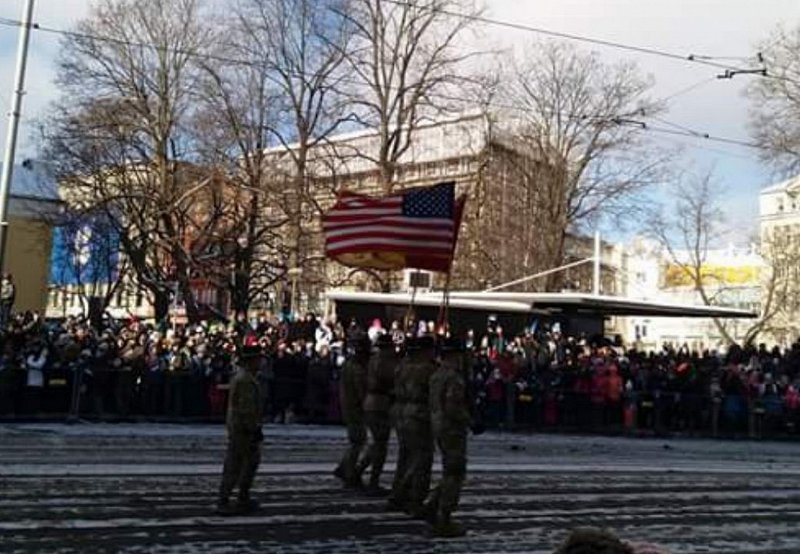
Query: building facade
506, 232
779, 230
32, 208
732, 278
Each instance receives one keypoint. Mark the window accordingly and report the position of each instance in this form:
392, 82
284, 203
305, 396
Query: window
139, 299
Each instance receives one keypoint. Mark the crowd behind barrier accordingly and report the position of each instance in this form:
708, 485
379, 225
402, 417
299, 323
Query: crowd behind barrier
539, 380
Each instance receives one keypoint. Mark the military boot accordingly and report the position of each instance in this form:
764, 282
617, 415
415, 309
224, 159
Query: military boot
394, 504
446, 528
416, 510
354, 482
376, 490
374, 487
224, 508
339, 473
246, 505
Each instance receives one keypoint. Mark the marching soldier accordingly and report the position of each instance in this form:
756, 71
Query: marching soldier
450, 419
243, 422
352, 392
377, 406
415, 427
399, 493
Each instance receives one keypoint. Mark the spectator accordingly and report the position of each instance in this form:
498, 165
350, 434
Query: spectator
8, 293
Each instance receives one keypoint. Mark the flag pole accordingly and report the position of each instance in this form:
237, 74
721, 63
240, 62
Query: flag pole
444, 309
410, 311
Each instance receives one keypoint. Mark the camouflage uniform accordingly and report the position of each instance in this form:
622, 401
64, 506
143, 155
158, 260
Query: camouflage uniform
352, 391
399, 494
377, 405
415, 426
243, 423
449, 421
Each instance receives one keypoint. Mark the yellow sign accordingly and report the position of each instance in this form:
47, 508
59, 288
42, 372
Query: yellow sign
677, 276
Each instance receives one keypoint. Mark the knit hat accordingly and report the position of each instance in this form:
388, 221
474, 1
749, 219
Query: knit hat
250, 348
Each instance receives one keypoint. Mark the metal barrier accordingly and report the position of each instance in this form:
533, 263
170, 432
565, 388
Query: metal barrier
180, 395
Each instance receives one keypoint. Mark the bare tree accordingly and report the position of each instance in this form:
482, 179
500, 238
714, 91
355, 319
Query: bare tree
577, 121
300, 46
269, 99
405, 62
780, 295
120, 138
775, 101
686, 233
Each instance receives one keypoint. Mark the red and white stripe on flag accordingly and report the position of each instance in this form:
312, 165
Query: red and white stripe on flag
417, 228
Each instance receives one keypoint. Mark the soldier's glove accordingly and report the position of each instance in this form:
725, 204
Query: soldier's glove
477, 428
259, 435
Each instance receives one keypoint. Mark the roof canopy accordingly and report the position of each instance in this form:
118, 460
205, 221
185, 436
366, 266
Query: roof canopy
433, 299
546, 304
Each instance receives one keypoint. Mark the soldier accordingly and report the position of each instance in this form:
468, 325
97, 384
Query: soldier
399, 494
352, 392
243, 423
450, 419
377, 405
415, 426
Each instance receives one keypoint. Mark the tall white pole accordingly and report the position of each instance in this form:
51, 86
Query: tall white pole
596, 272
13, 124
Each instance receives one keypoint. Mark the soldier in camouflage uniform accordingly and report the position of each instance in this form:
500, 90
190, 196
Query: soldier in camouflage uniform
377, 406
352, 392
399, 493
243, 424
450, 419
415, 426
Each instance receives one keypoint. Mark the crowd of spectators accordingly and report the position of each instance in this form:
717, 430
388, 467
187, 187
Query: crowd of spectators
538, 379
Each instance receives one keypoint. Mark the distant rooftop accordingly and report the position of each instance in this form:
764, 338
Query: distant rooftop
786, 185
33, 179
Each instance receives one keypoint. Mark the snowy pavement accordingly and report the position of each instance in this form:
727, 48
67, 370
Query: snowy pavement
151, 488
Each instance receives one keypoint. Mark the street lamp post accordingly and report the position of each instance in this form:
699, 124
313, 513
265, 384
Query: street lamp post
294, 273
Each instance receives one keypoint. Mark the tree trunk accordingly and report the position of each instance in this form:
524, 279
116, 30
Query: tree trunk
189, 302
161, 304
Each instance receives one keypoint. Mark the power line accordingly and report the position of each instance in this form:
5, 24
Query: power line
620, 119
681, 142
691, 58
678, 129
686, 90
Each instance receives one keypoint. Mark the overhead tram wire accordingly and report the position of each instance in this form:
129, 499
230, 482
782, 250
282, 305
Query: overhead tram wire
681, 141
690, 58
686, 90
621, 120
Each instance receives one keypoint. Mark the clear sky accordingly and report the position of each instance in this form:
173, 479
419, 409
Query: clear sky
720, 28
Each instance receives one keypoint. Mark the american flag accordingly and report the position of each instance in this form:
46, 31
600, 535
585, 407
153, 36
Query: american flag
417, 228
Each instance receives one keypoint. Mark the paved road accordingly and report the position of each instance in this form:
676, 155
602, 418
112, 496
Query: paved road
150, 489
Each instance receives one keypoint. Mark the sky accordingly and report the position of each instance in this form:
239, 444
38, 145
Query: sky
719, 28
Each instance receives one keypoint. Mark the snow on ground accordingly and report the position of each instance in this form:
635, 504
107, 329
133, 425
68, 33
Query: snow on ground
138, 488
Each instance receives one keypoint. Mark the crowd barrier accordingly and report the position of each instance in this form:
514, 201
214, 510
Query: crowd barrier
126, 395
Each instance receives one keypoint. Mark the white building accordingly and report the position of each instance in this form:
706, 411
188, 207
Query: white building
779, 219
732, 279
